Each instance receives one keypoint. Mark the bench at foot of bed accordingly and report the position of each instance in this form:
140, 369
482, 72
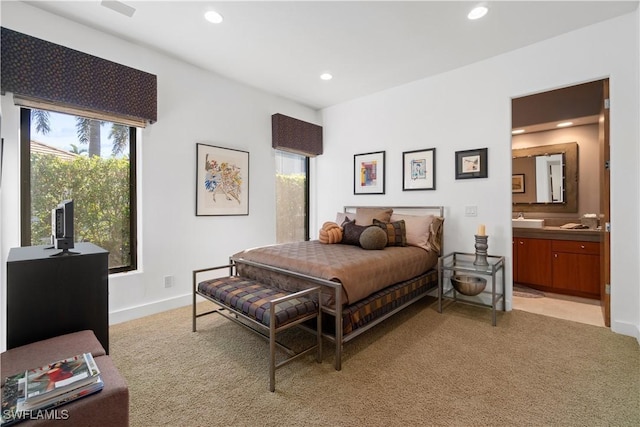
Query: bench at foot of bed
268, 310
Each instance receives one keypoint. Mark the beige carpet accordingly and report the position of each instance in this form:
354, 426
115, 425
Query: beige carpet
417, 368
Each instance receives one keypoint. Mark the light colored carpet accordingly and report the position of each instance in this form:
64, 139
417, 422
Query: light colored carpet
417, 368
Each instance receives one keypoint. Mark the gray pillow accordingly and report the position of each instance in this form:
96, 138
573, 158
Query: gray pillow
373, 238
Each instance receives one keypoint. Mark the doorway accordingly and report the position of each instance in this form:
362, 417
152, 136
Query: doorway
574, 114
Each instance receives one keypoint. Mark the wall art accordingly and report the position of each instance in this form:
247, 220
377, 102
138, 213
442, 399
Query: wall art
419, 170
517, 183
222, 181
368, 173
472, 164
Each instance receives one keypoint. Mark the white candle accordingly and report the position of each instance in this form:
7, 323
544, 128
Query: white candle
481, 230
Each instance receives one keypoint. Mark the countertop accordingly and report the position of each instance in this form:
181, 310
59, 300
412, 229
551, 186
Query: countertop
557, 233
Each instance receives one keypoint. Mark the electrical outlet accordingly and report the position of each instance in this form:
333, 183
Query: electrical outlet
168, 281
471, 211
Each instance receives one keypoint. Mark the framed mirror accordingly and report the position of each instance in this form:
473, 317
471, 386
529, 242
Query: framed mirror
545, 178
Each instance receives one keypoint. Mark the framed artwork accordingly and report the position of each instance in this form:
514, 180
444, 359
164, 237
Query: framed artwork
419, 170
517, 183
368, 173
472, 164
222, 181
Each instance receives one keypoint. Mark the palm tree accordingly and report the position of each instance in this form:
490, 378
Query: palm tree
119, 134
88, 131
77, 150
41, 118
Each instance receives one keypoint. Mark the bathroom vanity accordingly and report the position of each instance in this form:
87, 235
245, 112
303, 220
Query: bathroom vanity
556, 260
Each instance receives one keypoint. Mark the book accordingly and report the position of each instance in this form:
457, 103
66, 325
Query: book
30, 394
12, 390
14, 409
54, 379
71, 395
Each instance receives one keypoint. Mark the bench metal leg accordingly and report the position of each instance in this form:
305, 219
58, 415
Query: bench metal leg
272, 351
319, 332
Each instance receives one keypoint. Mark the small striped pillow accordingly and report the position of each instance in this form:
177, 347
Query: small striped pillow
396, 232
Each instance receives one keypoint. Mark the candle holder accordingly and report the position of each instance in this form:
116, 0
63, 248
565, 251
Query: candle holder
481, 251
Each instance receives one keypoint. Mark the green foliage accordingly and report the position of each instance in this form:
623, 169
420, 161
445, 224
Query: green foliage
100, 192
290, 207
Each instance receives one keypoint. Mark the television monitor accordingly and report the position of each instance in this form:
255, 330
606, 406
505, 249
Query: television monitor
62, 226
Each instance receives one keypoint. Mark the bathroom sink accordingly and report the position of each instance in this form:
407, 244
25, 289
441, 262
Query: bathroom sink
527, 223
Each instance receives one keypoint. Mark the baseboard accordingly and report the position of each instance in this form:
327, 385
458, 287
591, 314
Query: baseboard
624, 328
155, 307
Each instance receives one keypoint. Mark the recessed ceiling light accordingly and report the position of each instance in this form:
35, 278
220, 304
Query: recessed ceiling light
564, 124
213, 17
326, 76
517, 131
477, 12
119, 7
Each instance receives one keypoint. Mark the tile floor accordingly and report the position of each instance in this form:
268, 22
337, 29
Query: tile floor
583, 310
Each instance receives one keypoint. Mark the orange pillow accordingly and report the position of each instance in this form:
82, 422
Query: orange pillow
330, 233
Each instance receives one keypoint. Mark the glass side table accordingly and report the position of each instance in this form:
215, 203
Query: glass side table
462, 263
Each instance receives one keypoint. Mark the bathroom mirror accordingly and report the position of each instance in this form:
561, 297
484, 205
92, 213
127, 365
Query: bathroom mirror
545, 178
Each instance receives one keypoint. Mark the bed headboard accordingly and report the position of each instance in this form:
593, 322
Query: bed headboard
406, 210
410, 210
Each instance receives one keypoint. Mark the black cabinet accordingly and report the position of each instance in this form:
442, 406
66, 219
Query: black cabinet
50, 295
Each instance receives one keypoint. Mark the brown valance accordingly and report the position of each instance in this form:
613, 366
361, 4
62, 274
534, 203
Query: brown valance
49, 74
297, 136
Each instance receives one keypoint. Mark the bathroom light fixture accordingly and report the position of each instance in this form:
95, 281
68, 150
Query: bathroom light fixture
326, 76
564, 124
517, 131
213, 17
477, 12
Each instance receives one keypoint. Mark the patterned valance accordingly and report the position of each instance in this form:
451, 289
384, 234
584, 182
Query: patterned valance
297, 136
56, 75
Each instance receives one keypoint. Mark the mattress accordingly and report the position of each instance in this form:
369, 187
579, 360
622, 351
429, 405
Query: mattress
361, 272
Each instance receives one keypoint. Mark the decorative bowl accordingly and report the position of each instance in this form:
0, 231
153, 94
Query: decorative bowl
468, 285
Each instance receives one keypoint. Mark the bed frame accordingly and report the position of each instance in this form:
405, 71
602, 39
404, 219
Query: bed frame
338, 337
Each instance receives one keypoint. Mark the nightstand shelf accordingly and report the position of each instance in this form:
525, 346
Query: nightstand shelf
462, 263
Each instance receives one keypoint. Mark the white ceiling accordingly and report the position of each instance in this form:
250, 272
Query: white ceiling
283, 47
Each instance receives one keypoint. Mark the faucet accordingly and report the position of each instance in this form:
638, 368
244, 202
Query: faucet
520, 215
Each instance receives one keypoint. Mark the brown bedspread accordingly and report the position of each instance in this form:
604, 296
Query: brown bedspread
361, 272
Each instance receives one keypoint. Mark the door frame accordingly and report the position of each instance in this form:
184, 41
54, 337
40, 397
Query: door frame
604, 195
605, 206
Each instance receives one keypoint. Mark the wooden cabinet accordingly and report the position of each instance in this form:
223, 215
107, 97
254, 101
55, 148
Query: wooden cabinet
49, 295
534, 261
514, 253
561, 266
576, 267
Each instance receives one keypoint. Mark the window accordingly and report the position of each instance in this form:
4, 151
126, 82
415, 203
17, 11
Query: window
90, 161
292, 197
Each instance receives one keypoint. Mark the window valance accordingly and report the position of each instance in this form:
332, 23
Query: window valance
297, 136
44, 73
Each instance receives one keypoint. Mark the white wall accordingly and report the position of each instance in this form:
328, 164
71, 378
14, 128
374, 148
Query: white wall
470, 108
193, 106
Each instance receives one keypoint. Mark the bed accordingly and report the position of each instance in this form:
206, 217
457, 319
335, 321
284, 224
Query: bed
361, 288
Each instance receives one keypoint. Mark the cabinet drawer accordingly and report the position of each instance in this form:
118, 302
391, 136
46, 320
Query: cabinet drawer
591, 248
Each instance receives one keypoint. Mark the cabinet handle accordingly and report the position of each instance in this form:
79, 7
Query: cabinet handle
582, 246
522, 243
555, 255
